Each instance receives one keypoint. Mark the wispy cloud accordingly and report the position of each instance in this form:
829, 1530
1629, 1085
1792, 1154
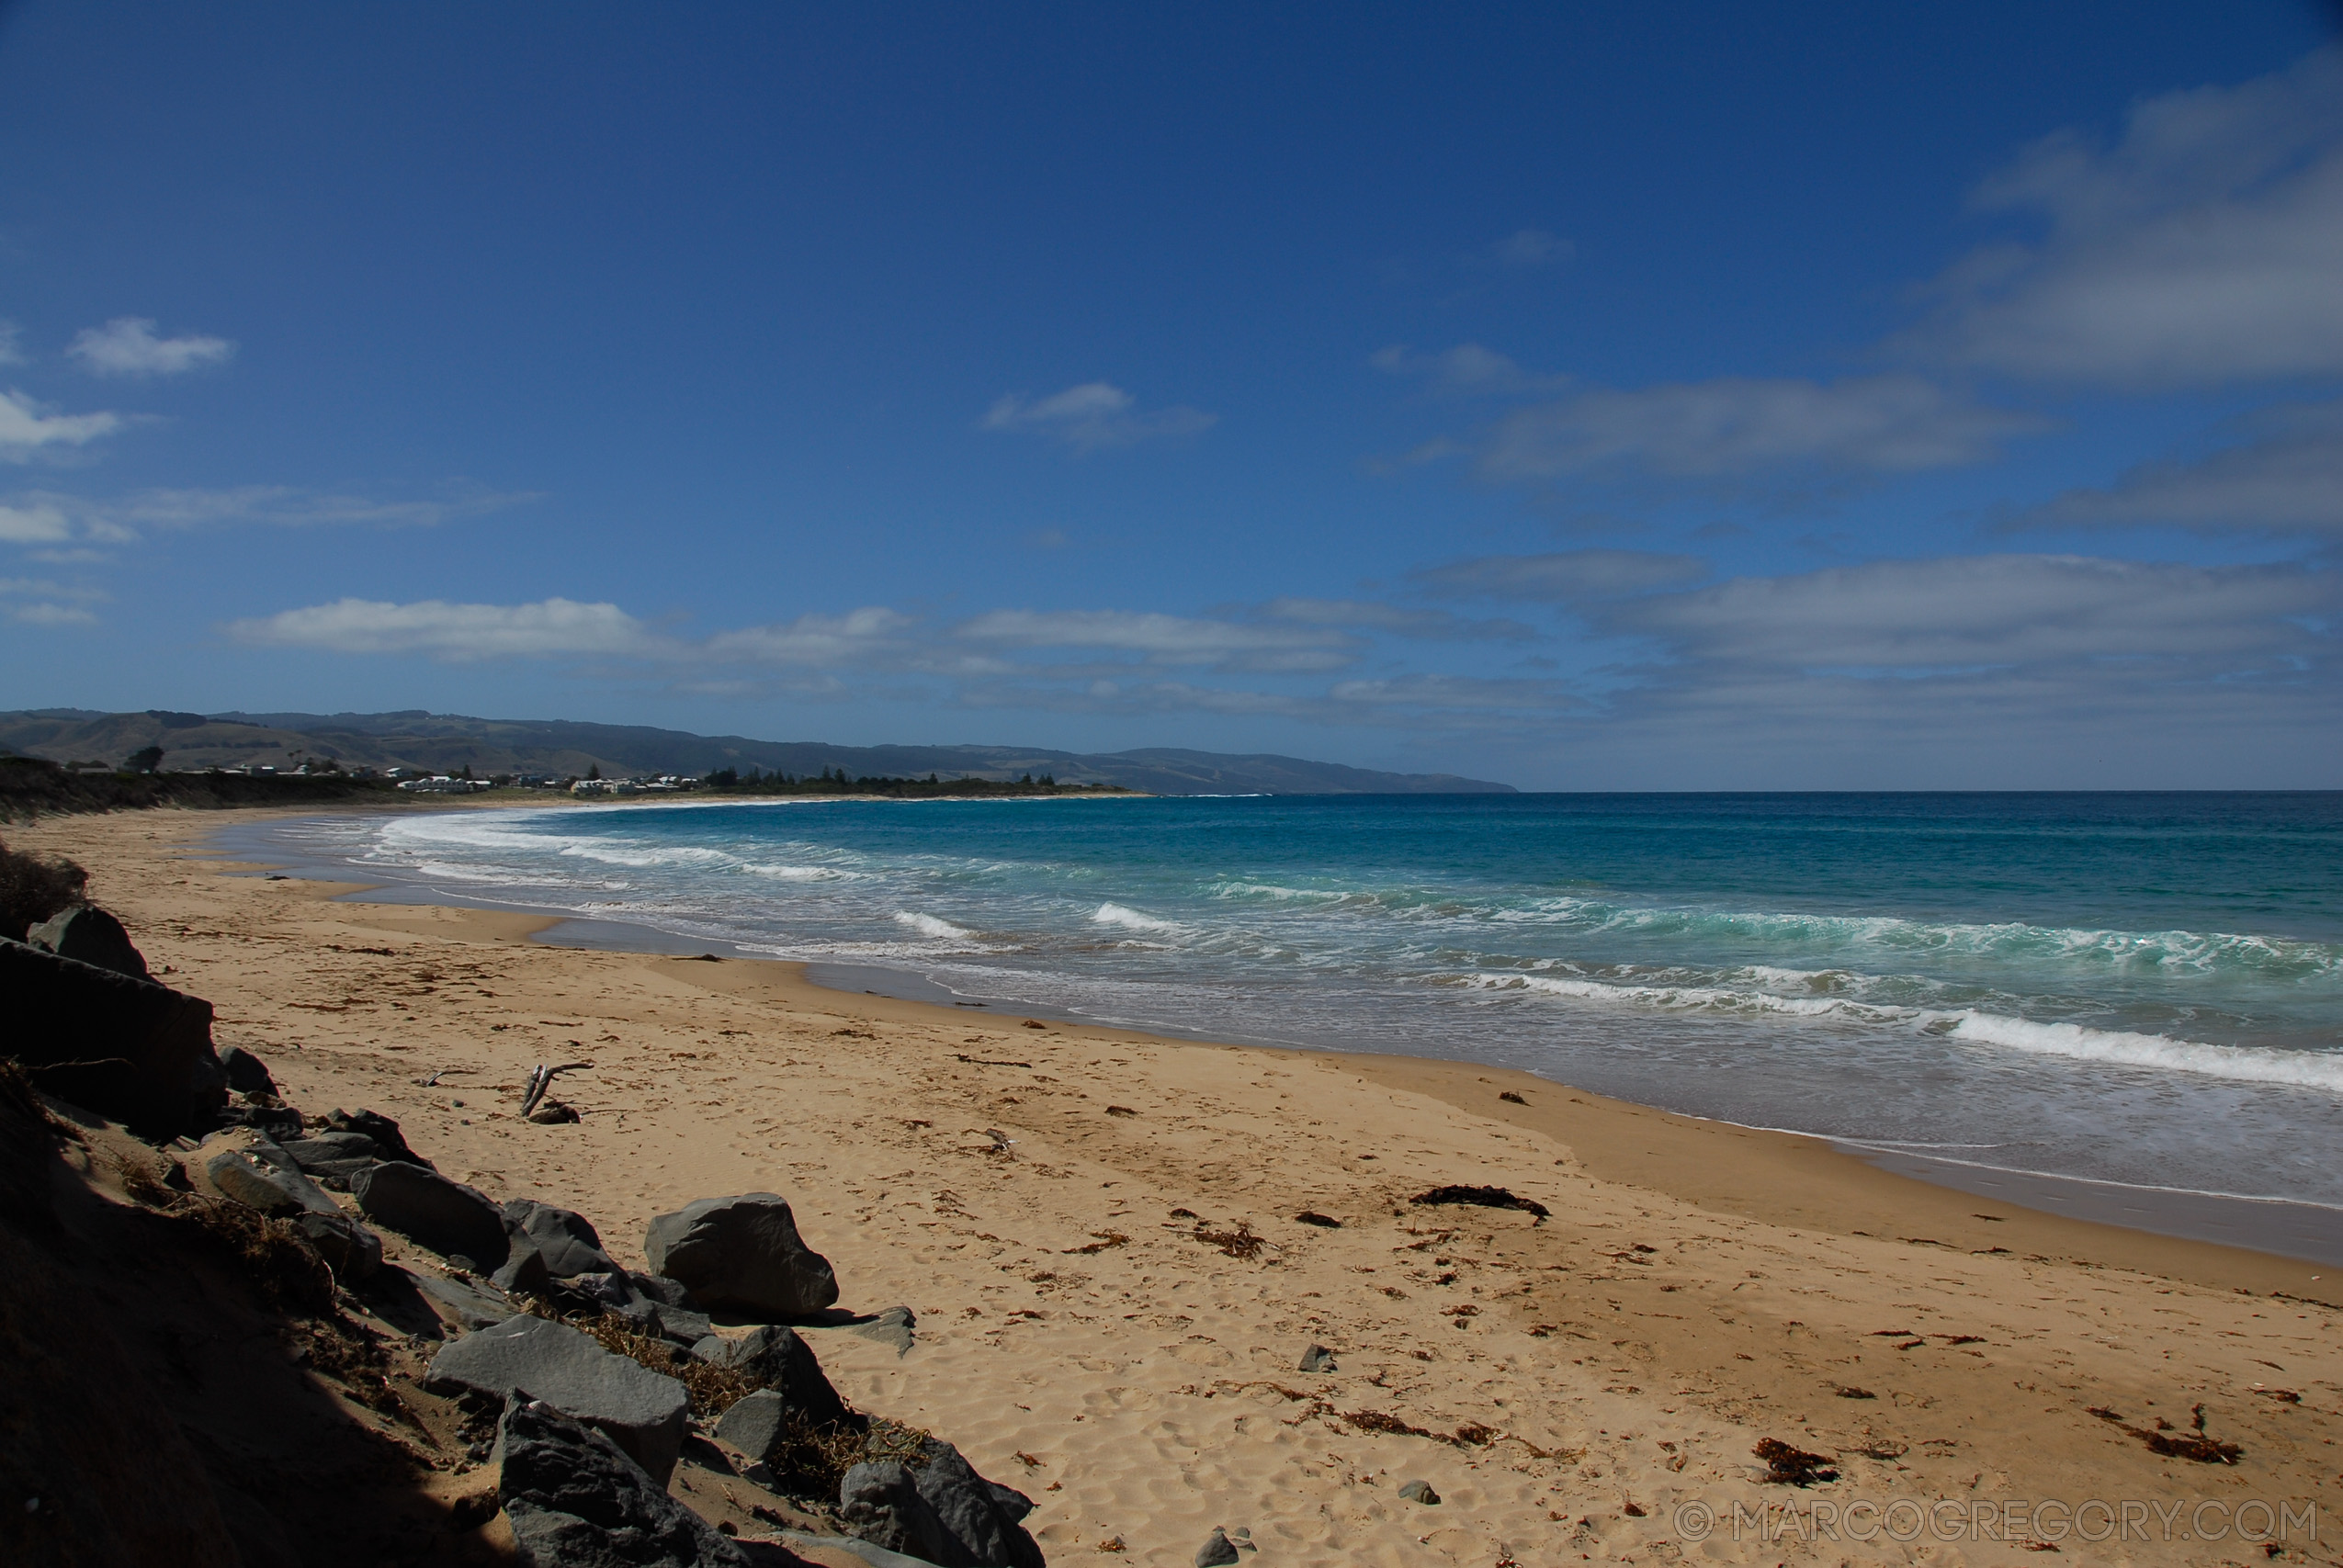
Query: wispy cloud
26, 431
2287, 480
1466, 369
1526, 248
1735, 426
1094, 415
49, 517
2202, 247
455, 632
48, 604
11, 344
128, 345
1561, 576
1164, 640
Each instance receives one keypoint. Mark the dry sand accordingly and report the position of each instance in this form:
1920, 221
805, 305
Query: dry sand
1699, 1287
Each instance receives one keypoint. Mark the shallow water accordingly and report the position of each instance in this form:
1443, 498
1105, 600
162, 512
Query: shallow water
2144, 989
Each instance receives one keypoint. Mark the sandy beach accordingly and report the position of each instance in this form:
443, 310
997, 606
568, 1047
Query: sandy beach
1044, 1197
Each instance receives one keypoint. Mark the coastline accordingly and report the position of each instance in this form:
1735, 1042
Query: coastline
1699, 1286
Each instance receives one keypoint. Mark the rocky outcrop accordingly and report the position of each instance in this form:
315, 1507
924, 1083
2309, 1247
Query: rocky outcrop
126, 1048
943, 1512
375, 1125
575, 1499
741, 1255
641, 1411
546, 1243
654, 1306
247, 1073
88, 933
332, 1159
453, 1220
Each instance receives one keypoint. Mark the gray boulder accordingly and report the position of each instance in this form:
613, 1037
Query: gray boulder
88, 933
757, 1425
890, 1327
453, 1220
375, 1125
943, 1512
641, 1411
1319, 1358
1217, 1551
111, 1042
654, 1306
565, 1243
252, 1179
351, 1250
784, 1363
574, 1499
742, 1254
1420, 1491
458, 1305
247, 1074
332, 1159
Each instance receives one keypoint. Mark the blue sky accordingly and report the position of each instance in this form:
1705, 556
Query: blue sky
1642, 396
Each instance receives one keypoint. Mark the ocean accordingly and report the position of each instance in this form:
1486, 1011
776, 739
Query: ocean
2137, 989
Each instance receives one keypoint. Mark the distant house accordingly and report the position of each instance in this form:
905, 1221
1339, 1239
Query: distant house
440, 784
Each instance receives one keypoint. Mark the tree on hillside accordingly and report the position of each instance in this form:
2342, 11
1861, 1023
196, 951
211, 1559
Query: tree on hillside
145, 760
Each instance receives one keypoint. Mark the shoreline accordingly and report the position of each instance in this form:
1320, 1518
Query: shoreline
1050, 1200
2287, 1229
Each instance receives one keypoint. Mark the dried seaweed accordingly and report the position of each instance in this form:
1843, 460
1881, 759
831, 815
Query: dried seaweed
2190, 1445
1239, 1242
1788, 1466
1482, 1197
1312, 1217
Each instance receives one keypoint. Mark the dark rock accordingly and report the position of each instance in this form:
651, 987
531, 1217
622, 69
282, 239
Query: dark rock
1318, 1359
379, 1127
1217, 1551
943, 1512
459, 1305
890, 1327
278, 1123
448, 1217
88, 933
577, 1500
265, 1185
757, 1425
742, 1254
642, 1411
1420, 1491
567, 1241
331, 1160
351, 1250
247, 1074
123, 1047
782, 1362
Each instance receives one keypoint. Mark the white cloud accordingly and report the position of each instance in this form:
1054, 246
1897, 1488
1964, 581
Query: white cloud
455, 632
54, 603
1430, 625
26, 431
1094, 415
35, 523
127, 346
872, 638
1562, 577
2289, 480
287, 506
1739, 425
1164, 640
11, 344
1526, 248
1466, 369
2204, 246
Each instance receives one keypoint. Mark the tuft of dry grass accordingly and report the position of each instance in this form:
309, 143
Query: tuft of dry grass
273, 1253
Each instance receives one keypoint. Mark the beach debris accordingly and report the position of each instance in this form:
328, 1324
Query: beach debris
1632, 1508
1105, 1239
1217, 1551
742, 1254
551, 1112
1849, 1390
451, 1219
1312, 1217
939, 1510
1033, 1023
1238, 1242
1113, 1543
1001, 1142
541, 1079
2189, 1445
1318, 1359
573, 1495
1482, 1197
641, 1411
1420, 1491
986, 1061
1120, 1110
1788, 1466
890, 1325
2283, 1395
1511, 1098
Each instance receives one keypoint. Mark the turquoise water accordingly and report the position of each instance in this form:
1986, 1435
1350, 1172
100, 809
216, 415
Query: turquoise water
2138, 988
